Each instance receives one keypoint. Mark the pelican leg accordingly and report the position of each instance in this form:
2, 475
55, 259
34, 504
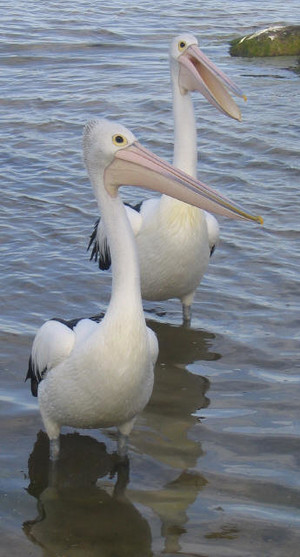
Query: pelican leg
186, 314
54, 448
122, 445
123, 434
53, 473
187, 309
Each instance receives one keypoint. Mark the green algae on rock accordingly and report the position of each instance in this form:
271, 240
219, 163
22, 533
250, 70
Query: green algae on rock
273, 41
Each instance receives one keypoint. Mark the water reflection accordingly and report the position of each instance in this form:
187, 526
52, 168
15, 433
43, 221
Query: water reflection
75, 514
90, 516
167, 433
178, 394
183, 345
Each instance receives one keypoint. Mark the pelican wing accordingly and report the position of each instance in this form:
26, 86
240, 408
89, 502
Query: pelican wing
53, 343
98, 240
213, 231
153, 345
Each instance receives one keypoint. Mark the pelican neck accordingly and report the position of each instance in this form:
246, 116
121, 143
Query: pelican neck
126, 291
185, 134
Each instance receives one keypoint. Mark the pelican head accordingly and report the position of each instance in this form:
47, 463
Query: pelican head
196, 72
102, 139
112, 150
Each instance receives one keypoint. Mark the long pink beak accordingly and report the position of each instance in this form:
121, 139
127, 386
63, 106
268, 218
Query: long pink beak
137, 166
198, 73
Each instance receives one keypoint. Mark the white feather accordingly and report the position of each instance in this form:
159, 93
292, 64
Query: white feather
52, 345
175, 240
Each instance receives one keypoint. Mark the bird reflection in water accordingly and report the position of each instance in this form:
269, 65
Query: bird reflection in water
169, 430
76, 515
177, 397
89, 516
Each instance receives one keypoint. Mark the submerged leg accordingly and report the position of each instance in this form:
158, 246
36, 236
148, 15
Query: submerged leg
122, 470
53, 431
187, 309
54, 448
53, 473
53, 463
186, 315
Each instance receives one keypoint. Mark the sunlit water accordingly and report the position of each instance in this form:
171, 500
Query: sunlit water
214, 458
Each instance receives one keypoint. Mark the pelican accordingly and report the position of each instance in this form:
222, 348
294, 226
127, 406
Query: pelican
172, 236
88, 374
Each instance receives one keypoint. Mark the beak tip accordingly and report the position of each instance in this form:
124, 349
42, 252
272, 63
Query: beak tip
245, 98
236, 115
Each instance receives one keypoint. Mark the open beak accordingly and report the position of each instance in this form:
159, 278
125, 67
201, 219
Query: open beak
136, 166
198, 73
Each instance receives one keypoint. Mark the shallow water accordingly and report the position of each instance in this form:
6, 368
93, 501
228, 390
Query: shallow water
214, 458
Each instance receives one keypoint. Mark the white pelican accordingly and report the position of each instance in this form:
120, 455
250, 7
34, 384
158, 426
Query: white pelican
88, 374
172, 236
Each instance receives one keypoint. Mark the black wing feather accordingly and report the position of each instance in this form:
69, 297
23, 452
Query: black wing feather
35, 377
71, 323
104, 258
212, 249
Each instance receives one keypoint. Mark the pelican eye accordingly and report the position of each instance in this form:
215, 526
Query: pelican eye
119, 140
181, 45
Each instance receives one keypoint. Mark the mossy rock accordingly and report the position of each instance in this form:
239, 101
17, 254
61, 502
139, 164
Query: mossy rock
274, 41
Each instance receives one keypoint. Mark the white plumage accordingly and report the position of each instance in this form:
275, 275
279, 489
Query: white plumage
91, 374
172, 237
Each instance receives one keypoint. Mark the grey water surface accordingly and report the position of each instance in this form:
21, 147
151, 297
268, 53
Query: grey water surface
214, 458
